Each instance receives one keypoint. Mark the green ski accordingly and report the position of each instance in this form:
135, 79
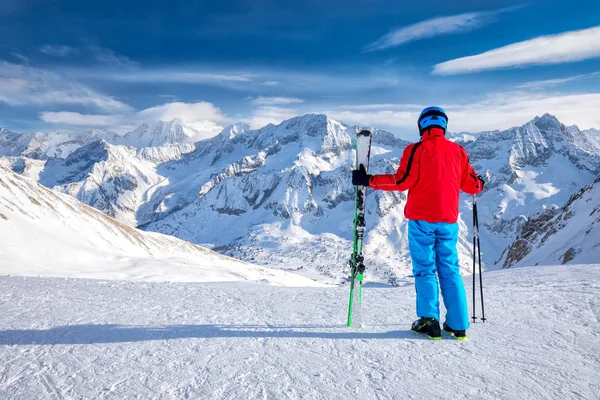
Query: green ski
357, 266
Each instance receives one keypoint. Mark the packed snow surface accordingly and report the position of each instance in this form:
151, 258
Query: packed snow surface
80, 338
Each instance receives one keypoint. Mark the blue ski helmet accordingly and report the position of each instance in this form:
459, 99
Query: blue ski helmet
432, 117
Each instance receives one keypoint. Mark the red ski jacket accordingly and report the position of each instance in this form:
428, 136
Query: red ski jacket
433, 171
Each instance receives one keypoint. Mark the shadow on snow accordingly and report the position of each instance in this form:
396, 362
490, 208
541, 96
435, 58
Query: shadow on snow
113, 333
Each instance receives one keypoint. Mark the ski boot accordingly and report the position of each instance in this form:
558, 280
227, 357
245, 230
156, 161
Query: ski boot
428, 326
458, 334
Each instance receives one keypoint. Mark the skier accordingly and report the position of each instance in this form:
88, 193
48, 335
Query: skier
433, 171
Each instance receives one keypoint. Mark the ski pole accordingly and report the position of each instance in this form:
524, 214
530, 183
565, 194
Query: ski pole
474, 317
479, 255
477, 246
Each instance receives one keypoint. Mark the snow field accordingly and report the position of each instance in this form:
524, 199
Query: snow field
77, 338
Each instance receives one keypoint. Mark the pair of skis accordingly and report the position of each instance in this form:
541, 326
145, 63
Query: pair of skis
357, 266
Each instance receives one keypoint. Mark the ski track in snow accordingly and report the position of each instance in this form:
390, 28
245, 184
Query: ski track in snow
79, 338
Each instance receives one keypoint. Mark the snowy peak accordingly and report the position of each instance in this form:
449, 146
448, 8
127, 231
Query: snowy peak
315, 132
535, 144
232, 131
176, 131
46, 145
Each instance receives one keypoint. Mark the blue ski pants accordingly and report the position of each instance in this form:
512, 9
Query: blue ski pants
433, 249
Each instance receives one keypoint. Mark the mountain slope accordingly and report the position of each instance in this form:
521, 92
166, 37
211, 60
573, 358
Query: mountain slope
570, 234
84, 339
44, 145
280, 195
50, 234
112, 179
528, 168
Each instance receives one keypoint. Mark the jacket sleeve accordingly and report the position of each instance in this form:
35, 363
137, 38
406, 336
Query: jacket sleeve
405, 177
469, 182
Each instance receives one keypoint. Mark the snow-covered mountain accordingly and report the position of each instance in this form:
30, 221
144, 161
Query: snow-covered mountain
176, 131
110, 178
44, 145
528, 169
281, 195
51, 234
570, 234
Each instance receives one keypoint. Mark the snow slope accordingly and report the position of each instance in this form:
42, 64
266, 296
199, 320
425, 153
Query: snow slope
50, 234
528, 169
64, 338
570, 234
110, 178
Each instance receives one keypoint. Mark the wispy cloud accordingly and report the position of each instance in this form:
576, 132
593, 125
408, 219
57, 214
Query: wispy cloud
552, 49
558, 81
98, 54
20, 57
270, 83
190, 112
109, 57
24, 85
289, 83
275, 101
435, 27
174, 76
75, 118
57, 50
263, 116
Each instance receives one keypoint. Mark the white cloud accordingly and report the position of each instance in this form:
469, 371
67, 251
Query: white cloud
192, 112
552, 49
75, 118
291, 83
200, 112
20, 57
270, 83
558, 81
109, 57
180, 77
275, 101
434, 27
99, 54
269, 115
57, 50
23, 85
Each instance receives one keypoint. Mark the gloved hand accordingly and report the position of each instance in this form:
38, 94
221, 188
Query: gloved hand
360, 177
481, 180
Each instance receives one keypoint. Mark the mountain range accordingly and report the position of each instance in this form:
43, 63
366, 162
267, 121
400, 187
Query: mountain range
45, 233
281, 195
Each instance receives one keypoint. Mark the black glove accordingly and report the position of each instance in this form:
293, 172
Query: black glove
360, 177
481, 180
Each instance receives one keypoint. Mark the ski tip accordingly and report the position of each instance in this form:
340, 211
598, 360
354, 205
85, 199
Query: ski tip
364, 131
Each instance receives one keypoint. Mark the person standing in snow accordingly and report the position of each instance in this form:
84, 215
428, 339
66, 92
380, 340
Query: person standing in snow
433, 170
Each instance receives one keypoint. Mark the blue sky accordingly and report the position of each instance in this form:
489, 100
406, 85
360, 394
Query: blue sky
492, 64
